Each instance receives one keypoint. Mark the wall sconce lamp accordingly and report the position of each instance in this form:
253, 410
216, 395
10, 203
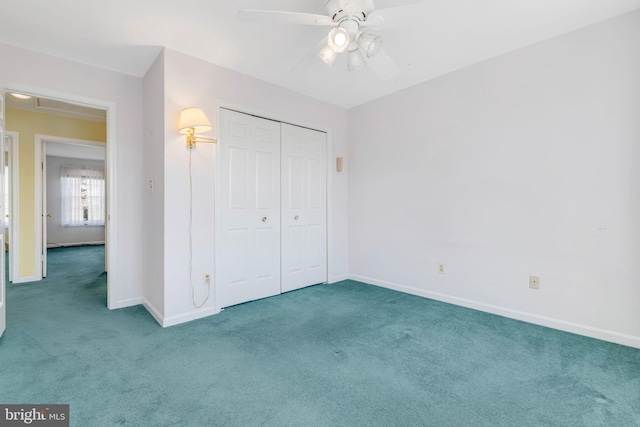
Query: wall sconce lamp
193, 121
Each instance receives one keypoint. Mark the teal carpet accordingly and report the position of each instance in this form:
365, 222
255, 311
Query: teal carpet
347, 354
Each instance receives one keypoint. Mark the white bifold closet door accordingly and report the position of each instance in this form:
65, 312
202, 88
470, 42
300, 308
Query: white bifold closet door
272, 229
249, 196
304, 207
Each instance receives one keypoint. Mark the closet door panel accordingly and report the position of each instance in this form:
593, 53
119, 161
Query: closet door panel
295, 182
249, 197
264, 245
316, 256
238, 187
304, 207
265, 197
238, 247
294, 239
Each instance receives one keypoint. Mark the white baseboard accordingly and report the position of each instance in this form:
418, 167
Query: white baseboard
165, 322
155, 313
66, 245
336, 279
127, 303
588, 331
189, 316
26, 279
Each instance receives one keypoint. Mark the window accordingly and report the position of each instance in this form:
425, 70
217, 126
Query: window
82, 195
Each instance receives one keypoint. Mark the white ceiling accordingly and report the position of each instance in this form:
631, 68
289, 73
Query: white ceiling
426, 40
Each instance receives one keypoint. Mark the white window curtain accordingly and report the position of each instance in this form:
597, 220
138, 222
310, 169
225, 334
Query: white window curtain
82, 195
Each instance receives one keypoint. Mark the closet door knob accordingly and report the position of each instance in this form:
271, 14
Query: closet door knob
264, 219
296, 217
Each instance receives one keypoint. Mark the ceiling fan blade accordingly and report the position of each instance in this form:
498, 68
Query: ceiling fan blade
352, 7
394, 15
383, 65
382, 5
373, 21
281, 17
303, 66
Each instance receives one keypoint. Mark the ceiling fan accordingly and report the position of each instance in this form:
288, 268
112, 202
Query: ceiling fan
350, 21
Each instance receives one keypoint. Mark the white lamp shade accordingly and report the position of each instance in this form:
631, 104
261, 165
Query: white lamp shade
370, 43
327, 55
193, 118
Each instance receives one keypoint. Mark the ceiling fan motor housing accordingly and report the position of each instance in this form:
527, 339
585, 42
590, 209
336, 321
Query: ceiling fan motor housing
340, 10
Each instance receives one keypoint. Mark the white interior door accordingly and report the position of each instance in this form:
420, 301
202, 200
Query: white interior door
304, 207
3, 302
248, 254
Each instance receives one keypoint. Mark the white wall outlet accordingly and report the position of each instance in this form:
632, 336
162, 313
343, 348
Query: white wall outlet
534, 282
207, 279
441, 268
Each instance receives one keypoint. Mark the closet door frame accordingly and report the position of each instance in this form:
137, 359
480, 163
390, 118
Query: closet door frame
222, 104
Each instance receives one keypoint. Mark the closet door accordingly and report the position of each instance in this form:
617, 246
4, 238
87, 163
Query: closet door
248, 250
304, 207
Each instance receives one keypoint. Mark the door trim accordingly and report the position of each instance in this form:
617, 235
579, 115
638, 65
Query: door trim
220, 104
110, 165
14, 220
41, 190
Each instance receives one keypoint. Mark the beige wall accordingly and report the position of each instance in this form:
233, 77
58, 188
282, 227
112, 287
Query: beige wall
28, 124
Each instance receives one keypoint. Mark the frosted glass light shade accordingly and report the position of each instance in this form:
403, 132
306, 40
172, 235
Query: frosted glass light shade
338, 39
193, 118
370, 44
327, 55
355, 61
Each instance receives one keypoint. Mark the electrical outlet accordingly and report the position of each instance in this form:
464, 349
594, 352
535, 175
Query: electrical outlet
441, 267
207, 279
534, 282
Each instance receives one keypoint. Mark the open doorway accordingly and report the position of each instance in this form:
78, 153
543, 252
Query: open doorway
73, 194
71, 128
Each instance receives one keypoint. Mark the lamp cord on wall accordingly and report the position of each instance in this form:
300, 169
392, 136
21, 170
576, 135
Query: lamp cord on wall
193, 291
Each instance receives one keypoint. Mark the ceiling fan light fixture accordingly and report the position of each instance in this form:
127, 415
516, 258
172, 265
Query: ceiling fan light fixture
338, 39
355, 61
370, 44
328, 55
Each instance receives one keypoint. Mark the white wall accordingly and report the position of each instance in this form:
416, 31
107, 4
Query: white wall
58, 235
191, 82
153, 181
42, 74
528, 163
